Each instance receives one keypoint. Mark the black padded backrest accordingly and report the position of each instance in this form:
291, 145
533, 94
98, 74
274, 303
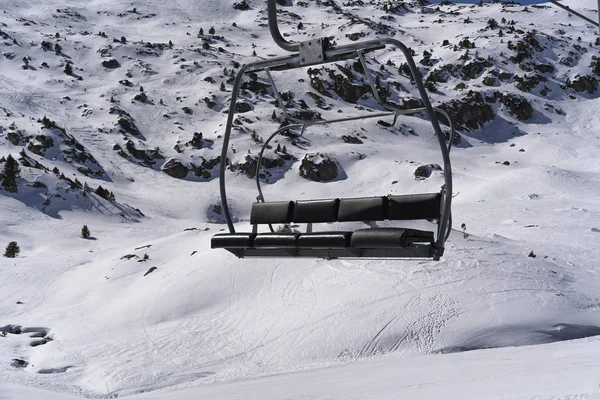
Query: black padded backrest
362, 209
414, 206
316, 210
273, 212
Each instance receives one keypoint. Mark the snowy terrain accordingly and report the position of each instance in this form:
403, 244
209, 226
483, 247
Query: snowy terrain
493, 319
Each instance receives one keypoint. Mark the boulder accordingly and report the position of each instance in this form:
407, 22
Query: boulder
175, 169
424, 171
318, 167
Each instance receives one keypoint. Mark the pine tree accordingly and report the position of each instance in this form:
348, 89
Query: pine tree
85, 232
68, 69
12, 250
11, 173
222, 87
211, 31
57, 48
201, 32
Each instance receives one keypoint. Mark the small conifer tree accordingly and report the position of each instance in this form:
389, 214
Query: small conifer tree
211, 31
85, 232
68, 69
11, 173
12, 250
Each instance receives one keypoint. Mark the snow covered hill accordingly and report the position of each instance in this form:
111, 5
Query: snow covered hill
115, 113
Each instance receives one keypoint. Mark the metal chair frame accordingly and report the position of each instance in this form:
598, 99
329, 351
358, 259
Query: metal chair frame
318, 52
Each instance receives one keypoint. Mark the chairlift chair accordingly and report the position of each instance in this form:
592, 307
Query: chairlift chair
370, 242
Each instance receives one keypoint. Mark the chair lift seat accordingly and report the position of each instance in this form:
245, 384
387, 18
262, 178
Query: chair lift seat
380, 238
279, 240
232, 240
324, 240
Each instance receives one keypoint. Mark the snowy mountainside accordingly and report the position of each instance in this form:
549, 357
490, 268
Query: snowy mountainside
127, 141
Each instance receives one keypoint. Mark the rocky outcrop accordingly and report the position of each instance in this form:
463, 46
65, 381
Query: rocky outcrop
318, 167
175, 168
248, 167
518, 106
470, 112
424, 171
583, 83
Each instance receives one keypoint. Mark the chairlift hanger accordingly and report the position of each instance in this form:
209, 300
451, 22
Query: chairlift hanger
362, 243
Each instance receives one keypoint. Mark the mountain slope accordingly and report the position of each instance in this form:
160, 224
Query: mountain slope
526, 176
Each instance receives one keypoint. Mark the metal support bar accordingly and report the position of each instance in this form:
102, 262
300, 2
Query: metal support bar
274, 29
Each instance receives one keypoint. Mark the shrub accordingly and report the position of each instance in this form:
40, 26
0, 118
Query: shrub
85, 232
12, 250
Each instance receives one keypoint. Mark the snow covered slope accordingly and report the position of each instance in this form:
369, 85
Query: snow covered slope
128, 144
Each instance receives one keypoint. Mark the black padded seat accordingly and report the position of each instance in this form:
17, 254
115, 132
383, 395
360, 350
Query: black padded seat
362, 209
272, 212
308, 211
375, 238
280, 240
232, 240
324, 240
414, 206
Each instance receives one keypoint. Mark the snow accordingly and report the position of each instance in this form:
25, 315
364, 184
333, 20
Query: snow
488, 321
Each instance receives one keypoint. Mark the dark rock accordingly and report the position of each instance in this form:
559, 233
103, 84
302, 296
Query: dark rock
351, 139
142, 97
408, 103
14, 137
456, 138
248, 167
175, 169
595, 65
474, 68
424, 171
583, 83
470, 112
126, 123
318, 167
306, 115
518, 106
241, 6
529, 82
19, 363
489, 80
242, 107
544, 68
111, 64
